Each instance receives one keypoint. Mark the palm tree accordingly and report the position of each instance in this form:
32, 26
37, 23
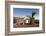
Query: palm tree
32, 21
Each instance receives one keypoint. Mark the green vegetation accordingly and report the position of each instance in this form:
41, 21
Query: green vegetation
33, 13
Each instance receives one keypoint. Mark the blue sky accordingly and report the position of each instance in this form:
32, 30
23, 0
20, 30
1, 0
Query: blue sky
25, 12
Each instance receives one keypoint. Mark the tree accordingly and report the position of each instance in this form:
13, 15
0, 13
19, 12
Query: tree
32, 21
33, 13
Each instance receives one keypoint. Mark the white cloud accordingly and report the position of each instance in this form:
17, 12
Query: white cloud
36, 17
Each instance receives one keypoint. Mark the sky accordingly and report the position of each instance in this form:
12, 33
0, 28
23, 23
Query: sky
25, 12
